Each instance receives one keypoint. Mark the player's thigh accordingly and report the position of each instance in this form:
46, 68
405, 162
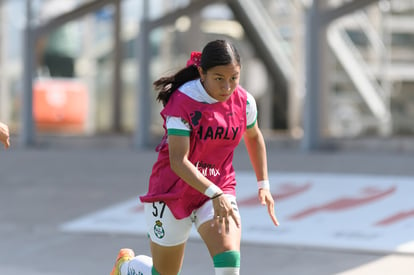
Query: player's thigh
168, 237
163, 228
214, 233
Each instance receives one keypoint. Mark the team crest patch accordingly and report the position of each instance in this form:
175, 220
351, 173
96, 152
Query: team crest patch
159, 230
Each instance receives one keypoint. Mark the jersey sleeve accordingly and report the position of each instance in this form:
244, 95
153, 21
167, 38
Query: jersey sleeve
251, 111
177, 126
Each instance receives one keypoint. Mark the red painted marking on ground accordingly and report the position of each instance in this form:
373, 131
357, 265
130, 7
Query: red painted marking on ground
138, 208
286, 191
372, 194
396, 218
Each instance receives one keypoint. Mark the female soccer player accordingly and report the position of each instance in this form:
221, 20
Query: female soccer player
206, 114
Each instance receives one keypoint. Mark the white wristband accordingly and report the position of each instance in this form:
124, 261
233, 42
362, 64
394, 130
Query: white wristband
212, 190
263, 184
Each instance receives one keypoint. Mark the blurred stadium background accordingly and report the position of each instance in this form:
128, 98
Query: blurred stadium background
322, 71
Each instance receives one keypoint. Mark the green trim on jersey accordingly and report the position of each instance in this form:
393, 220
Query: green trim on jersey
178, 132
251, 125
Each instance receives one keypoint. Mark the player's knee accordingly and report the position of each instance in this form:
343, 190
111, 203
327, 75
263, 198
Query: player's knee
227, 263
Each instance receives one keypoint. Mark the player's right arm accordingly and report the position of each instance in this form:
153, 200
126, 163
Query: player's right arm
179, 147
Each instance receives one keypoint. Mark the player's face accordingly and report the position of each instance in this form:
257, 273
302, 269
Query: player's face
221, 81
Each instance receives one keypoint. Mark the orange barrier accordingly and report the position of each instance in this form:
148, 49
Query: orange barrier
60, 105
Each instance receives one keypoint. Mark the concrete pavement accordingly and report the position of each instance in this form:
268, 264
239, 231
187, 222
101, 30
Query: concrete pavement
62, 179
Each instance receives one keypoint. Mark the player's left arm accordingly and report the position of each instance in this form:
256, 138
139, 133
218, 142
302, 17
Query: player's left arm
256, 148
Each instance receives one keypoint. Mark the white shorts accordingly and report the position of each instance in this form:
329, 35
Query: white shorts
164, 229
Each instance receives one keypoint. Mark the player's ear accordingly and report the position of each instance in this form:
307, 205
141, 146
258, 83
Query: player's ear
201, 73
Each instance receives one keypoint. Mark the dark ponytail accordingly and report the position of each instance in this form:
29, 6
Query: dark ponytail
215, 53
168, 84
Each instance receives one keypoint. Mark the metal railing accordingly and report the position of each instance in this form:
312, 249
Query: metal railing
359, 72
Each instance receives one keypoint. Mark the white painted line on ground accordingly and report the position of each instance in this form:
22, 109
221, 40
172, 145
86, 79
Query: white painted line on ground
358, 212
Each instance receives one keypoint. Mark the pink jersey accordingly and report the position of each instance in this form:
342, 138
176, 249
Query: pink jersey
216, 130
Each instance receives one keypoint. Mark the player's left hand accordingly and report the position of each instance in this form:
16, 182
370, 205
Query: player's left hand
223, 212
4, 135
265, 198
